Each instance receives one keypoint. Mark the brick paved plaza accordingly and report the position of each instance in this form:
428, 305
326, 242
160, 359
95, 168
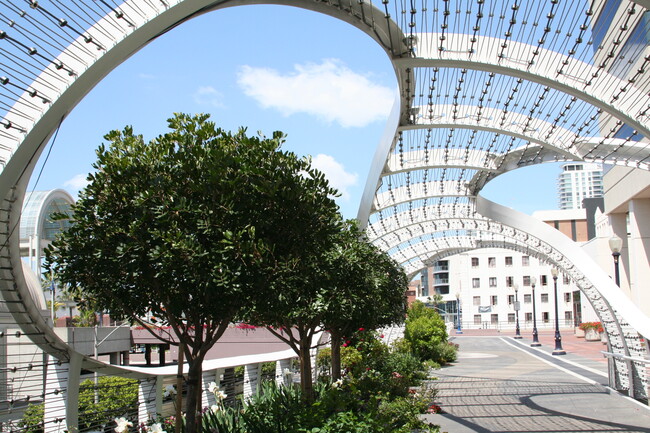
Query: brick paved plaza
502, 385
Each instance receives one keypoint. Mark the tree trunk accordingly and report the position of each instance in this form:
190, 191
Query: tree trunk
306, 383
194, 389
336, 355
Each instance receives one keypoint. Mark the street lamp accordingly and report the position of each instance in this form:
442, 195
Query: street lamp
615, 244
535, 342
460, 329
517, 307
558, 339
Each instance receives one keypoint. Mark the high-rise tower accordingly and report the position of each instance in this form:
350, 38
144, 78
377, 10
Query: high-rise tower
579, 180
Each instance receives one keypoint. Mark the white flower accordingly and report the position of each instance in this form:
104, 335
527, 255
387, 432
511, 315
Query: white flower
287, 372
338, 383
169, 390
156, 428
122, 425
220, 395
215, 408
213, 387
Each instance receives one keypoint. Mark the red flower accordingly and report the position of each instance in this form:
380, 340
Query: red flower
361, 329
381, 336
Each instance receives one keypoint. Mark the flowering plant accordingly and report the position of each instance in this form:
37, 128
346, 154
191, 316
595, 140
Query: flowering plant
169, 391
123, 425
597, 326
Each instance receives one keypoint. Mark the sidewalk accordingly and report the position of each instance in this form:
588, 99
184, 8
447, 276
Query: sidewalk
500, 384
579, 350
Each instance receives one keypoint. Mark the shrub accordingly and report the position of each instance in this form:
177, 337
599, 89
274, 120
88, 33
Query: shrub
273, 409
402, 416
116, 396
348, 422
32, 421
425, 334
406, 365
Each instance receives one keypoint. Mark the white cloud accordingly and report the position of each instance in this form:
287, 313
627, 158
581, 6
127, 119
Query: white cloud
77, 183
329, 91
208, 95
336, 174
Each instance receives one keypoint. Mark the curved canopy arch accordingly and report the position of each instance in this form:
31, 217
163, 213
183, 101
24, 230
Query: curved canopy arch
579, 92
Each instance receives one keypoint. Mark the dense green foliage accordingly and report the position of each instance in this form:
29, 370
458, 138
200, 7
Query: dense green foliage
32, 421
376, 395
116, 397
366, 400
425, 335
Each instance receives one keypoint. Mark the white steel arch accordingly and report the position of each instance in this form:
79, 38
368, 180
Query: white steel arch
539, 89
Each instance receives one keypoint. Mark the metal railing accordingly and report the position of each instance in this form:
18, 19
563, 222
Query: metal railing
632, 363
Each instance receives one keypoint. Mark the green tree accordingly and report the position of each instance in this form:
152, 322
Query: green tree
366, 287
189, 228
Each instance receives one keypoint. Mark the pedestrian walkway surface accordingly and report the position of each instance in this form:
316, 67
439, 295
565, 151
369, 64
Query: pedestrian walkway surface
500, 384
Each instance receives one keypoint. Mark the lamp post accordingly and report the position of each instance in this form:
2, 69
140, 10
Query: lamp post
535, 342
517, 307
558, 339
615, 244
460, 314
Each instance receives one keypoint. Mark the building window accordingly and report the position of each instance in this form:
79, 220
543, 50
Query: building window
476, 283
566, 280
508, 261
545, 298
543, 280
528, 299
568, 317
525, 261
477, 300
494, 318
475, 262
511, 317
526, 280
493, 300
477, 319
567, 297
493, 281
545, 317
529, 317
492, 262
509, 281
511, 299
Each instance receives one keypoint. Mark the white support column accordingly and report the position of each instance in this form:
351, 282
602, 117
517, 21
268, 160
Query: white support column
207, 398
150, 392
72, 393
252, 373
282, 367
62, 395
639, 252
56, 381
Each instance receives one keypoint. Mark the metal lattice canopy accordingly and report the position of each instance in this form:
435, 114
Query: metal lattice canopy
485, 87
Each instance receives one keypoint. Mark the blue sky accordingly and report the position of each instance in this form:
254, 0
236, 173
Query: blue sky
324, 83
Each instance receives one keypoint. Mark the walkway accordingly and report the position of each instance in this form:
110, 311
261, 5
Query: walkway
502, 385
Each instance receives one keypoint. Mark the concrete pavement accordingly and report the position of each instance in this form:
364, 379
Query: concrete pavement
500, 384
